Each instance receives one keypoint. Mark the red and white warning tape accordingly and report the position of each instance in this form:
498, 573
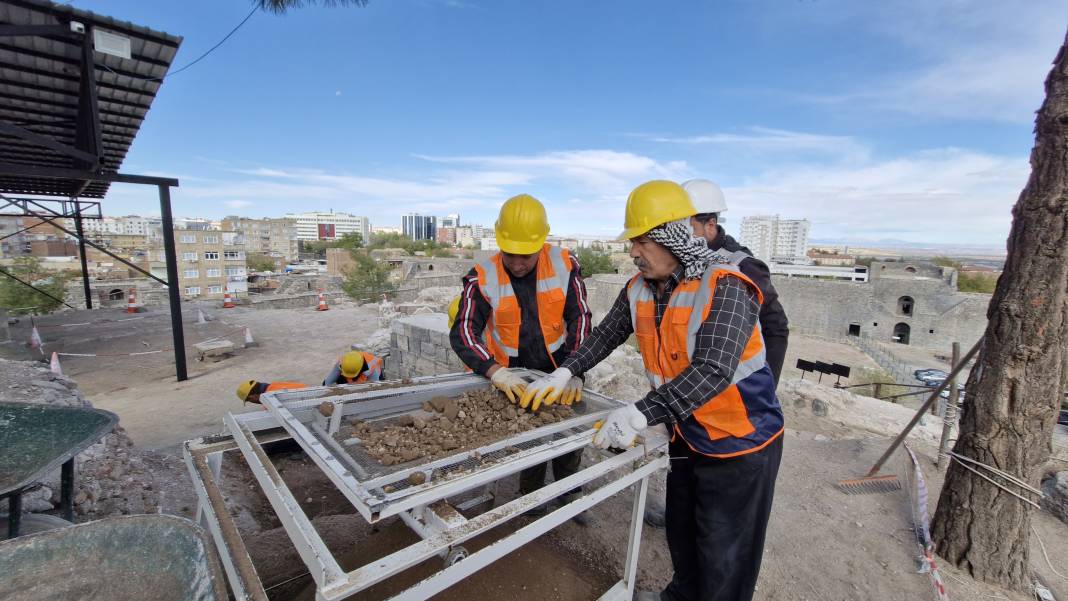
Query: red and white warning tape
918, 495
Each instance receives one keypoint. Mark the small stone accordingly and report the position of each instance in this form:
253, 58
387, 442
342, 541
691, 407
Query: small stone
326, 408
451, 409
419, 423
438, 403
427, 406
416, 478
405, 420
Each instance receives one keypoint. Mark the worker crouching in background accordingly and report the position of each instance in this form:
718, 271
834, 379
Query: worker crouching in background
249, 391
355, 367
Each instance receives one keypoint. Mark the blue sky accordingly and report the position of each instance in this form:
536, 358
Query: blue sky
876, 120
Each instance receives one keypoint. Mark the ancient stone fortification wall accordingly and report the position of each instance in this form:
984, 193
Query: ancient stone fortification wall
939, 314
419, 346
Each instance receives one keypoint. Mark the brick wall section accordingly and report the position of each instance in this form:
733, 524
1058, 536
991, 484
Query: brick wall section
419, 346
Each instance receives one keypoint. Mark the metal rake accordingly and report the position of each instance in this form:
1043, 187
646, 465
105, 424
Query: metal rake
871, 483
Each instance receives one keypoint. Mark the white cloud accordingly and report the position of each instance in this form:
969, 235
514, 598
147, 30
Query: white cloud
238, 204
962, 59
946, 195
764, 139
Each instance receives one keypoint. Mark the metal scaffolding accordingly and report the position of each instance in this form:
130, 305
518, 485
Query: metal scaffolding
74, 90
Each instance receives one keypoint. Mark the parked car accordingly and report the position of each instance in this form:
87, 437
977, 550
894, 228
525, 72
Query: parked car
1062, 418
925, 375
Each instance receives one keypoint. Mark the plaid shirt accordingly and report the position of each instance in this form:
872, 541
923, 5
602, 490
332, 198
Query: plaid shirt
717, 349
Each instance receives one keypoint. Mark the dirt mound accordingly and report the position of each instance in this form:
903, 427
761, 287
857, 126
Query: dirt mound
446, 426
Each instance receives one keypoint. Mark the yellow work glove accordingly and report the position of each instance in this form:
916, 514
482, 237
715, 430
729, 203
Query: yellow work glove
546, 389
572, 392
509, 382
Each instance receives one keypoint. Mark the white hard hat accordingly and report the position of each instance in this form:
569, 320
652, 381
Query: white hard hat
705, 195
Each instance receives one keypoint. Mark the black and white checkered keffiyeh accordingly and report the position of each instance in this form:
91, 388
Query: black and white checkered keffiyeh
691, 251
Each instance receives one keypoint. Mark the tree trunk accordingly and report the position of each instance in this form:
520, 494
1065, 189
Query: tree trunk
1016, 388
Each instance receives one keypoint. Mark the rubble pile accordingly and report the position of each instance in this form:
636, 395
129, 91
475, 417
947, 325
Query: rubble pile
621, 376
110, 477
447, 425
439, 297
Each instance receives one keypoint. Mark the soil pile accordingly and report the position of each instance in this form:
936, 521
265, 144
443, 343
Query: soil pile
448, 425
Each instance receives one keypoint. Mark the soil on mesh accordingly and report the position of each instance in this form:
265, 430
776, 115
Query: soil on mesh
447, 425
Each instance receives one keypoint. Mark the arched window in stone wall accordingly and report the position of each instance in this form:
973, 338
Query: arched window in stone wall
906, 305
115, 294
901, 333
910, 269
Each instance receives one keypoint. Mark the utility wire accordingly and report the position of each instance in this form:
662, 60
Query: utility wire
198, 59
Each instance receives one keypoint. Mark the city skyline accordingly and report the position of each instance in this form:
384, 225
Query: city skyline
914, 118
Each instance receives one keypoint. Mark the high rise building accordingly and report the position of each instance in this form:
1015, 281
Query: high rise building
776, 240
276, 238
419, 227
330, 226
452, 220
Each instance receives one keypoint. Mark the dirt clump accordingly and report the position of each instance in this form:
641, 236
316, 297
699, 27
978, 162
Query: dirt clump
471, 420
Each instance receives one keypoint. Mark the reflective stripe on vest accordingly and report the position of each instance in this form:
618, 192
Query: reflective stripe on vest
553, 274
373, 373
746, 415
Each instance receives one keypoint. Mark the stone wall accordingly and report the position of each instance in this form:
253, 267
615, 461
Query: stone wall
939, 315
419, 346
149, 292
295, 301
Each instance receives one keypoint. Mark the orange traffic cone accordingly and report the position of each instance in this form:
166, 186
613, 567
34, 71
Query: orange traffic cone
228, 301
322, 302
54, 365
131, 301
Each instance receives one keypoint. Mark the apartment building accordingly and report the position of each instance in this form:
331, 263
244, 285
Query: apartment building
469, 235
773, 239
446, 235
276, 238
329, 226
451, 220
129, 225
208, 262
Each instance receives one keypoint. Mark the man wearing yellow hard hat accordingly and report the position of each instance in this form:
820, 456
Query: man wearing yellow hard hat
355, 367
695, 317
249, 391
524, 307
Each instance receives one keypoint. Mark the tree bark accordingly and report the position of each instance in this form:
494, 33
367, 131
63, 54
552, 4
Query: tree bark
1015, 390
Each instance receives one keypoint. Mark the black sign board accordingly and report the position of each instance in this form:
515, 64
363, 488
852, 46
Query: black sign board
806, 365
840, 370
823, 368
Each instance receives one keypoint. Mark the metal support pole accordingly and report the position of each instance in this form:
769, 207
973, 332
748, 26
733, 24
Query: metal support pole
81, 253
949, 421
14, 514
66, 490
173, 292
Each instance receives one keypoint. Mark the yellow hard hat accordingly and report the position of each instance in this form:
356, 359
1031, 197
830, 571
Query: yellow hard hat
522, 227
244, 388
655, 203
454, 308
351, 364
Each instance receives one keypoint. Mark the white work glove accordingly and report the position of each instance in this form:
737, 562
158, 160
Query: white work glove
547, 389
572, 392
509, 382
620, 428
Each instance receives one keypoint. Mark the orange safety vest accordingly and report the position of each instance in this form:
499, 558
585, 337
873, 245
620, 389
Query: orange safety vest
553, 278
373, 373
741, 419
276, 386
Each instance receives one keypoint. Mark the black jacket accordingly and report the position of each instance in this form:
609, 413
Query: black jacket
773, 322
